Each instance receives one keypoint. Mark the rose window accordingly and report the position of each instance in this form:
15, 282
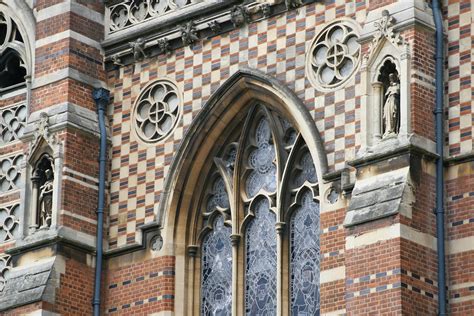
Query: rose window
334, 55
157, 111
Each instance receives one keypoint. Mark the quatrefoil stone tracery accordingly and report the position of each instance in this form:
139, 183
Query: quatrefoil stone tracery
157, 111
334, 55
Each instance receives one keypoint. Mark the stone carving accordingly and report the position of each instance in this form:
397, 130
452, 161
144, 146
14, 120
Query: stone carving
9, 222
334, 55
156, 243
214, 26
126, 13
292, 4
239, 15
10, 173
266, 10
116, 60
46, 199
42, 193
188, 33
391, 106
164, 45
385, 30
138, 49
157, 111
5, 266
12, 123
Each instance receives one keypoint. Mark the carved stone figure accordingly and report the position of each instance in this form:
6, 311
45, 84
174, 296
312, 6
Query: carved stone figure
391, 106
46, 200
239, 15
215, 26
291, 4
138, 49
164, 45
189, 33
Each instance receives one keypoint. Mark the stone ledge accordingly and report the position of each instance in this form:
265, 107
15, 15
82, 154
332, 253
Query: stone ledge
63, 115
46, 238
28, 284
379, 196
394, 146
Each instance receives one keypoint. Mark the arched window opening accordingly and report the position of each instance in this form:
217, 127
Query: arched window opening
261, 189
12, 51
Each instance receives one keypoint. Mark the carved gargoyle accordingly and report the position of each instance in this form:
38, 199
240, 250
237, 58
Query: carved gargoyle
164, 45
292, 4
189, 33
214, 26
138, 49
239, 15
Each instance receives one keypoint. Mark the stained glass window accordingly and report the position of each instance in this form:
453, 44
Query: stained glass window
217, 271
248, 180
304, 256
260, 270
261, 160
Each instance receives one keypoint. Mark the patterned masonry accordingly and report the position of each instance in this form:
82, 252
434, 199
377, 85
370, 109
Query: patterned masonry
247, 162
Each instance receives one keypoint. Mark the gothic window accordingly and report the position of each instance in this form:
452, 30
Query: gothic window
12, 51
259, 217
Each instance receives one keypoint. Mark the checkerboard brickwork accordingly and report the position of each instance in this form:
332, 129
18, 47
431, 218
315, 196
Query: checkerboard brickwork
276, 46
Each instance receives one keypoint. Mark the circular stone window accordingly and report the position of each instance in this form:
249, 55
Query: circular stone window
334, 55
157, 111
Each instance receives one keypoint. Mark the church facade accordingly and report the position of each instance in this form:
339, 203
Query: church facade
258, 157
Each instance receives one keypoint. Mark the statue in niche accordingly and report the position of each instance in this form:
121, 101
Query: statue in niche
46, 199
42, 181
391, 112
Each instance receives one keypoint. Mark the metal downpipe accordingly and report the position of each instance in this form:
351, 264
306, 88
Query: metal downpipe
101, 98
438, 19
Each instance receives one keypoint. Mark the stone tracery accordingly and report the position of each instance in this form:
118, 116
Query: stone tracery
334, 55
266, 144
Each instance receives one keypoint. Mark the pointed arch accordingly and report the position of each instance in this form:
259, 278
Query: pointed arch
22, 16
214, 127
243, 87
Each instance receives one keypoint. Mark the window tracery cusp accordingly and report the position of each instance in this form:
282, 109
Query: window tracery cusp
262, 180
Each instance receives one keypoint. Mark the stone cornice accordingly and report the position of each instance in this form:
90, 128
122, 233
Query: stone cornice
162, 35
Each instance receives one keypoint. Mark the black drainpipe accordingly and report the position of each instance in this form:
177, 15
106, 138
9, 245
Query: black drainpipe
438, 19
101, 97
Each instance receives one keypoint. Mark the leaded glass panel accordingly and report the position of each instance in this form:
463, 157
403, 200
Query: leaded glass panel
260, 270
305, 258
217, 271
261, 161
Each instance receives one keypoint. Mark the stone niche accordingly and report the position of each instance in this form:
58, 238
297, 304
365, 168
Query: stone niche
42, 178
385, 74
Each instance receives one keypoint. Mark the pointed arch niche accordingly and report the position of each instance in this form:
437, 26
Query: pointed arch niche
242, 193
388, 53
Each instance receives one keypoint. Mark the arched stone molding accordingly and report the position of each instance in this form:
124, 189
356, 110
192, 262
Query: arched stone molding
176, 213
385, 45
